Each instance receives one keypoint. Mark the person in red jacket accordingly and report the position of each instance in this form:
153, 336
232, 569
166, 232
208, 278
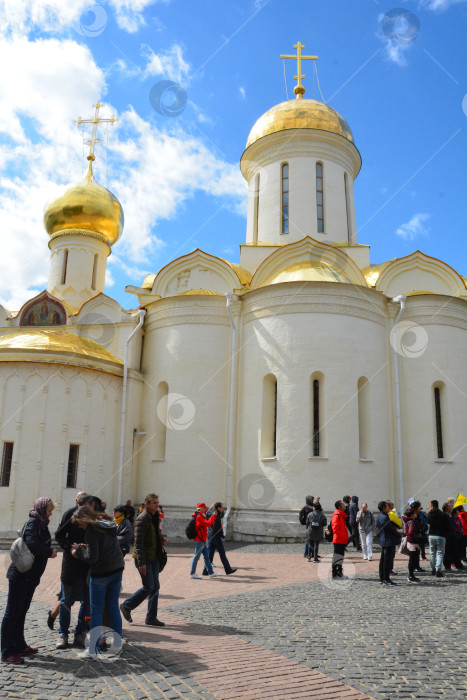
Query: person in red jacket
201, 524
340, 537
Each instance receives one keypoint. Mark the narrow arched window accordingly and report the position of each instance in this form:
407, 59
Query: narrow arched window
269, 417
285, 198
438, 422
94, 273
160, 428
364, 418
315, 418
319, 197
64, 265
347, 207
256, 209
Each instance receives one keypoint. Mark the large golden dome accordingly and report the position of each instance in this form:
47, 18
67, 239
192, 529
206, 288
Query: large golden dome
85, 206
300, 114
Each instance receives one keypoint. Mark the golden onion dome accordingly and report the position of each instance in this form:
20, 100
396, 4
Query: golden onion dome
85, 206
300, 114
307, 271
51, 341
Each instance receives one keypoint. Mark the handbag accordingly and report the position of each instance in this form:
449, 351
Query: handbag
21, 555
162, 560
403, 549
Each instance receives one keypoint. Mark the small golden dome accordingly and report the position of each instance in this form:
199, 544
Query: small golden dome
300, 114
88, 206
308, 271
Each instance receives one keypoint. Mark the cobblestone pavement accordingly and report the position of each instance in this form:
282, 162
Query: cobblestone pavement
404, 642
276, 629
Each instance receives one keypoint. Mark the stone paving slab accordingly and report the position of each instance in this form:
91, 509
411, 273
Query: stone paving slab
243, 636
402, 642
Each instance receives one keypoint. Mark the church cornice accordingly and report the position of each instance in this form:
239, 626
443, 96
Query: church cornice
299, 143
175, 311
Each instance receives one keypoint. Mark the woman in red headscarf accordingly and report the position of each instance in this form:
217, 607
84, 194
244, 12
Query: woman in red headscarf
21, 586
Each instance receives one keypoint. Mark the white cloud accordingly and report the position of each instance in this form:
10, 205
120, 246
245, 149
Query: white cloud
87, 17
439, 5
169, 64
242, 92
153, 170
413, 228
395, 53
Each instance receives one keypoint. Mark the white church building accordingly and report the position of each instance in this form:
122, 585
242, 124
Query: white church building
305, 369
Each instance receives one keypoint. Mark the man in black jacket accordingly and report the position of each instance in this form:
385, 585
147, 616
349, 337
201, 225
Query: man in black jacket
215, 536
439, 527
353, 510
148, 555
73, 577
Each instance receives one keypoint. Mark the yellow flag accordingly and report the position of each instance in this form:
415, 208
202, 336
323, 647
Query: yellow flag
460, 500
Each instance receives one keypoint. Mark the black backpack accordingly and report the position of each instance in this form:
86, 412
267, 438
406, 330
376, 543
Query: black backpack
190, 530
328, 535
302, 516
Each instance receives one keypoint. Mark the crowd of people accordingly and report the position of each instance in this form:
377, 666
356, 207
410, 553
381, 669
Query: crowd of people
444, 530
94, 546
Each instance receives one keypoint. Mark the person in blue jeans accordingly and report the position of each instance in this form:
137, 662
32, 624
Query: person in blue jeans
215, 536
103, 554
147, 556
201, 524
439, 527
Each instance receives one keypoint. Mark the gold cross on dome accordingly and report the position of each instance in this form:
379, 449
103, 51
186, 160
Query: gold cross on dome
95, 121
299, 89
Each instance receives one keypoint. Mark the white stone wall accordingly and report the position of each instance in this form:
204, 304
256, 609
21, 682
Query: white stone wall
43, 409
79, 269
187, 344
266, 158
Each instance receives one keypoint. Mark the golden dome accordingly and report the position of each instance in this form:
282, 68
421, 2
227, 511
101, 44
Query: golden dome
308, 271
85, 206
50, 341
299, 114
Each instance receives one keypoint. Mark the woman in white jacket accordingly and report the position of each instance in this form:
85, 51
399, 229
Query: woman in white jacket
366, 522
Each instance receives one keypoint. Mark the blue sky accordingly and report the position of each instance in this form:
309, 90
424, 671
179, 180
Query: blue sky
401, 87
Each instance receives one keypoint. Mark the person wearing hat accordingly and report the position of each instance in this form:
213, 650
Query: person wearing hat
201, 525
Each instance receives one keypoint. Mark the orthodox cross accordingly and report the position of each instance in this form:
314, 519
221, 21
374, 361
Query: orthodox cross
94, 121
299, 89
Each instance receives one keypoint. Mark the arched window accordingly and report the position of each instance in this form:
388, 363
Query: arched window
160, 428
347, 207
438, 392
285, 198
256, 208
319, 197
269, 417
94, 273
364, 417
64, 265
315, 417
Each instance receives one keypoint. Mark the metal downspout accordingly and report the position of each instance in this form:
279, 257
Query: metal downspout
395, 363
233, 381
142, 314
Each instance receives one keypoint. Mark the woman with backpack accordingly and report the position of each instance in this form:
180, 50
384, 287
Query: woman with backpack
201, 524
21, 585
316, 521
